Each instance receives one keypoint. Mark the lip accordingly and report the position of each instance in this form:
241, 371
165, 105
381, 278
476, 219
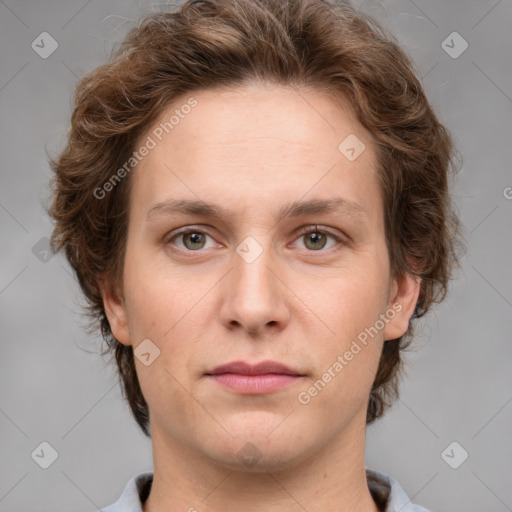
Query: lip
264, 377
262, 368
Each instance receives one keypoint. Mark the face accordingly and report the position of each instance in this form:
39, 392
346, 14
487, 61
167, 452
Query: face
279, 256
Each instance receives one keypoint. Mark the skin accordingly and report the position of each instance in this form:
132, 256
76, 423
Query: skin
302, 302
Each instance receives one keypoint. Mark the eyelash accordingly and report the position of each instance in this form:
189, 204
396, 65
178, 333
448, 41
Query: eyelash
303, 232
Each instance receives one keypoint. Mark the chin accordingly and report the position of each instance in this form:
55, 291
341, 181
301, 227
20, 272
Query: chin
261, 452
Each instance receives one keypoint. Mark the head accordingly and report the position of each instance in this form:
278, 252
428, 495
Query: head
254, 106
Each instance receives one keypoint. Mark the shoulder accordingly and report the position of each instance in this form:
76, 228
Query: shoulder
389, 494
134, 494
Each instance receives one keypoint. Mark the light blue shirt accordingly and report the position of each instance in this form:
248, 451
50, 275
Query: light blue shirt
384, 489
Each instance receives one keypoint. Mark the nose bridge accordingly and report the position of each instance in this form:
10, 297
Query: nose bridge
253, 295
252, 268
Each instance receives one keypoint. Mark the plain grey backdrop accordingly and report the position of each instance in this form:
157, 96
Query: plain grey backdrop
448, 440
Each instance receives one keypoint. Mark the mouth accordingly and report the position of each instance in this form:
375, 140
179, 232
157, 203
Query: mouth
264, 377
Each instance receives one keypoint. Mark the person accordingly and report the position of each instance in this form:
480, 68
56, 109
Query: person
254, 199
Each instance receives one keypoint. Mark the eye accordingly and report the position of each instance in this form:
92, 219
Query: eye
193, 239
316, 239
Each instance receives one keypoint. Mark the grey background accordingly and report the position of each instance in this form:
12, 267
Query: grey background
55, 388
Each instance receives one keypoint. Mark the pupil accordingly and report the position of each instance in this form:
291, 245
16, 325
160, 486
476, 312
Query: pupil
195, 238
315, 238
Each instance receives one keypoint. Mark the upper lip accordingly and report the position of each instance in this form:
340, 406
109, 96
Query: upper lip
262, 368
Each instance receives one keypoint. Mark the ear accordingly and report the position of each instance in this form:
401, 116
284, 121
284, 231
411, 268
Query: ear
404, 295
115, 309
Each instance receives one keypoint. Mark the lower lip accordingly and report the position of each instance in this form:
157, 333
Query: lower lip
255, 384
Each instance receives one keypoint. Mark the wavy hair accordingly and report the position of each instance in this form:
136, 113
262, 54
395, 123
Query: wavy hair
321, 45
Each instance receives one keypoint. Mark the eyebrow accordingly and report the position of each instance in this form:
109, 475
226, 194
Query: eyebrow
289, 209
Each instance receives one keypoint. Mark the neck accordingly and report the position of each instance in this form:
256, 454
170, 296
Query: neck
333, 478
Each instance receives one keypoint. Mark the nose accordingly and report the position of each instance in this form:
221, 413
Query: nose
254, 296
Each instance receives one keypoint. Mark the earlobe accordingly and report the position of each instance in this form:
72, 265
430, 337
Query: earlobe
115, 310
403, 300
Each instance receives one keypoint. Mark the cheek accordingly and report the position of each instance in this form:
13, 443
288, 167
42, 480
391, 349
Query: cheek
348, 356
354, 300
154, 303
346, 361
169, 310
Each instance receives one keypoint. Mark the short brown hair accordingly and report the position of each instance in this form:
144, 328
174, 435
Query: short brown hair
317, 44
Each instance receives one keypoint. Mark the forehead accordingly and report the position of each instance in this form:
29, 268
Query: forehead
261, 142
290, 116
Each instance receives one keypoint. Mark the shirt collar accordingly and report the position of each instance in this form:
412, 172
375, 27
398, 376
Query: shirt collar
386, 492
